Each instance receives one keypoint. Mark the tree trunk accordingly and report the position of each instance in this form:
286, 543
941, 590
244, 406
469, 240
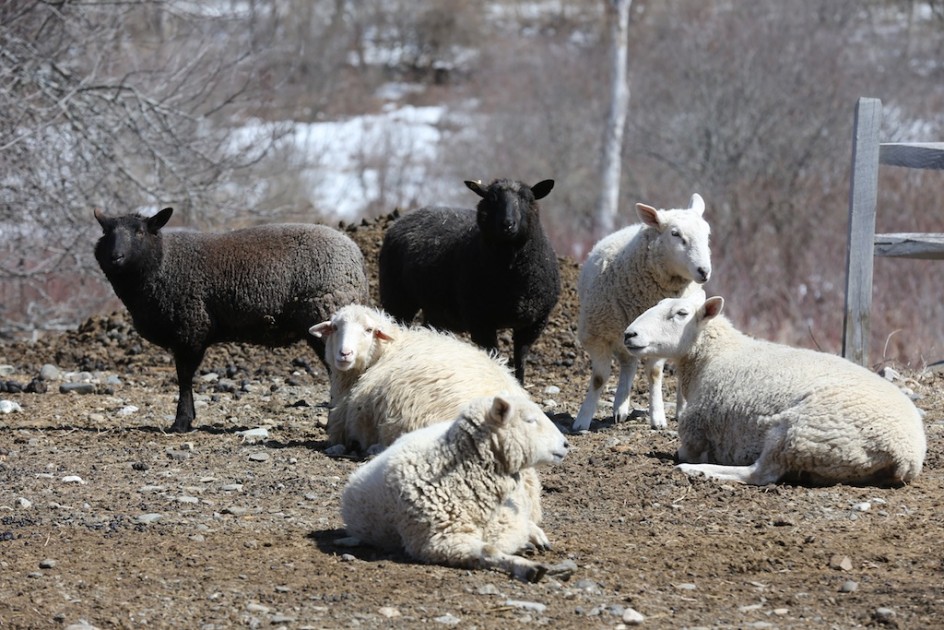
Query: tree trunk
617, 13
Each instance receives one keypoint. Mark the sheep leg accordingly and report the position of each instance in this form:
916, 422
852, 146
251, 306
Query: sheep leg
755, 474
470, 551
487, 339
656, 403
318, 345
600, 366
523, 339
624, 386
186, 363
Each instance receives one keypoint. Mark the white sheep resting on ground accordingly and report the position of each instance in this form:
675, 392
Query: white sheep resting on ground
628, 271
461, 493
759, 412
387, 379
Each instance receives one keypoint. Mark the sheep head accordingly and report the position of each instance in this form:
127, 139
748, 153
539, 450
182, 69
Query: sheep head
669, 329
129, 243
508, 208
683, 236
354, 337
521, 434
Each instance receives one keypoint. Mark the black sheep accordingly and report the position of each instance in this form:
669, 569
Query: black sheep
475, 271
188, 290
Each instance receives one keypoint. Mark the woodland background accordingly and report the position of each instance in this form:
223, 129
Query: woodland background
244, 112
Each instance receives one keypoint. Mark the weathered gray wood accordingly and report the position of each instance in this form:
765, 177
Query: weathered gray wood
912, 154
859, 255
910, 245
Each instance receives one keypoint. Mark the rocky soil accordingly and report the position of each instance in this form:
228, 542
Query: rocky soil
107, 521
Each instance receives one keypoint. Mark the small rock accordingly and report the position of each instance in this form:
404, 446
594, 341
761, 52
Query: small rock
549, 403
24, 504
140, 466
76, 388
235, 510
633, 617
254, 435
552, 390
388, 611
259, 457
187, 499
73, 479
447, 619
81, 624
178, 456
209, 377
488, 589
257, 608
347, 557
686, 586
127, 410
97, 418
865, 506
7, 370
843, 563
9, 406
532, 606
49, 372
48, 563
232, 487
147, 519
885, 616
849, 586
279, 618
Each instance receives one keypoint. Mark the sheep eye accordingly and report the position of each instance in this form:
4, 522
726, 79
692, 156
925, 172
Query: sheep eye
681, 313
675, 232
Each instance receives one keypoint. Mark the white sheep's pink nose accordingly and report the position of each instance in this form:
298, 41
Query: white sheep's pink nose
345, 359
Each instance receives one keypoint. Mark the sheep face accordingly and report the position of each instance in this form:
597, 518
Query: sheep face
507, 207
522, 434
129, 242
683, 237
669, 329
353, 337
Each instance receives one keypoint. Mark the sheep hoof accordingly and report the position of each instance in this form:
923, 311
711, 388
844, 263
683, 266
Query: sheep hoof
181, 426
532, 574
562, 570
337, 450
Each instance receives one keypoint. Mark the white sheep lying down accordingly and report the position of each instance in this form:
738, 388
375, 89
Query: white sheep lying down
666, 255
388, 379
759, 412
462, 493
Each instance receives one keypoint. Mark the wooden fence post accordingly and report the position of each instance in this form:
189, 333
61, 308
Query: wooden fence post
860, 247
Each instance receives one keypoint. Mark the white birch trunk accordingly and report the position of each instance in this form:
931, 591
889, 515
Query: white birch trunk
604, 218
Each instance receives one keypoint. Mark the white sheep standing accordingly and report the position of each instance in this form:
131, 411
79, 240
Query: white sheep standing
462, 493
624, 274
759, 412
387, 379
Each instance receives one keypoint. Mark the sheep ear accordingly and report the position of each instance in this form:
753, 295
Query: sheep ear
100, 217
648, 215
500, 411
711, 308
159, 220
476, 187
697, 204
382, 335
542, 188
323, 329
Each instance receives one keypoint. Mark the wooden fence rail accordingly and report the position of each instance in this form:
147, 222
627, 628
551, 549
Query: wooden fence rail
864, 243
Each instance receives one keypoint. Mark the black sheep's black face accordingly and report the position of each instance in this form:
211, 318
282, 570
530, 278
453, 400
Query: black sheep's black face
503, 215
127, 240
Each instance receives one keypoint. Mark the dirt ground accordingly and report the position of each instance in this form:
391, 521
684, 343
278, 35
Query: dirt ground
107, 521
